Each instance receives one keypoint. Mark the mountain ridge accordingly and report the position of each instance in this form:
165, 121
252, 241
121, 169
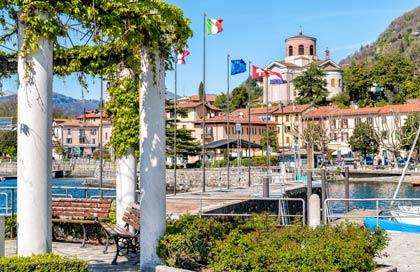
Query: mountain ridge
402, 35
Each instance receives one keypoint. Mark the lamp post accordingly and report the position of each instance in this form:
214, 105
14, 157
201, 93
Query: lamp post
239, 151
282, 132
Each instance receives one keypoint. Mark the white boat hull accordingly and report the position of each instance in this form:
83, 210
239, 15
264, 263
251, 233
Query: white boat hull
407, 215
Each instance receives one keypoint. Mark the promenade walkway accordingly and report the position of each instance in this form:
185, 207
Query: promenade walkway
402, 252
92, 253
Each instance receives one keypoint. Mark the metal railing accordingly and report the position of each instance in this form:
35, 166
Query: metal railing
335, 207
8, 202
213, 204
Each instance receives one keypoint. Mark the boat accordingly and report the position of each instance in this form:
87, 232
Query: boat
415, 183
372, 223
407, 214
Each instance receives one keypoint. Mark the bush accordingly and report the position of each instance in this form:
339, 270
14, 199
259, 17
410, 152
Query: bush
259, 245
45, 262
188, 241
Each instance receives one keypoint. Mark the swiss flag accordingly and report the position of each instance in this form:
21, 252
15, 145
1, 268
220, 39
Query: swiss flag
275, 74
258, 72
181, 57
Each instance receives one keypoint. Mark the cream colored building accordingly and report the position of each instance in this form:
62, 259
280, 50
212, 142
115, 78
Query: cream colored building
300, 53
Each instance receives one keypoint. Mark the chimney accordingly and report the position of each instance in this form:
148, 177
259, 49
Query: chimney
327, 54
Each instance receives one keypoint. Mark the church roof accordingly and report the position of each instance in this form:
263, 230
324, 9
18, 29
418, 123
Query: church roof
301, 36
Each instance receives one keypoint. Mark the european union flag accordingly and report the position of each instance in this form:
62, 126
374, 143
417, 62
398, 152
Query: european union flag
237, 67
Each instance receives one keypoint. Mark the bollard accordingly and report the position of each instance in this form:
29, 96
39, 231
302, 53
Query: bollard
2, 235
266, 187
314, 211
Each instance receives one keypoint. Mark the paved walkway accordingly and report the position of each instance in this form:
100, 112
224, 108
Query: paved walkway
92, 253
403, 252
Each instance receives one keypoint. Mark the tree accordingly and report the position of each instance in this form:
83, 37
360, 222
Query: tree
390, 71
201, 91
272, 140
221, 101
311, 86
186, 145
389, 132
8, 139
239, 98
409, 130
364, 139
357, 80
314, 136
410, 88
342, 100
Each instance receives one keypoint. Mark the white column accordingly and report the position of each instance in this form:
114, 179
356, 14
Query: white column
152, 159
314, 211
126, 177
126, 181
34, 133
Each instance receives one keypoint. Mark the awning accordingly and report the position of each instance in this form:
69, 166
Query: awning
342, 152
233, 143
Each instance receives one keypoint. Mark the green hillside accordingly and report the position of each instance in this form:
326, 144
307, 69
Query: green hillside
401, 36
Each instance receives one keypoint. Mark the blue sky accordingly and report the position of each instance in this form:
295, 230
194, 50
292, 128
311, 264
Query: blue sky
256, 30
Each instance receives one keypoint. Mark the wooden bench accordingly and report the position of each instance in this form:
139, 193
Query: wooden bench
126, 238
81, 211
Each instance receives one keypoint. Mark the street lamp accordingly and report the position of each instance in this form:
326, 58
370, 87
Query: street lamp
239, 151
282, 131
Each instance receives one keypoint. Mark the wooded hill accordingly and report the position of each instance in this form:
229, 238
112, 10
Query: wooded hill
402, 36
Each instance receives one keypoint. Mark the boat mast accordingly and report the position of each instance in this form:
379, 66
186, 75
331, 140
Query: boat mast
406, 166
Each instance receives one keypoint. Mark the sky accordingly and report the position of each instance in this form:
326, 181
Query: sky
255, 31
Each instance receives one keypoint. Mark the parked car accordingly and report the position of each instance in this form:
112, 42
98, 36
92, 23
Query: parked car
411, 164
385, 162
369, 159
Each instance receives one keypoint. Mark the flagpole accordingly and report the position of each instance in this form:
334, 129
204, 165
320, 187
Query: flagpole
175, 114
204, 106
266, 128
249, 125
228, 125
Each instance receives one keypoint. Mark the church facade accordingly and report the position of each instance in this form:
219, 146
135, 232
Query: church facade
300, 53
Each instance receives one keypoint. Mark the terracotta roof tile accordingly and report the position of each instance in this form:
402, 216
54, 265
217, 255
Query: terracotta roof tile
236, 119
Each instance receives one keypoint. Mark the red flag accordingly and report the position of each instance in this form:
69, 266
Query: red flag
181, 57
258, 72
275, 74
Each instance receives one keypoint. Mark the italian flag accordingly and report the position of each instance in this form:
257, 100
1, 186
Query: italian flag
213, 26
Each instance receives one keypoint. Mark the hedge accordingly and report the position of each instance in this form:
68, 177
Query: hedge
260, 245
42, 263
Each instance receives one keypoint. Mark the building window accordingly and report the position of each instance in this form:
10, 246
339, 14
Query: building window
339, 83
311, 50
290, 50
287, 118
69, 131
370, 120
383, 118
93, 131
93, 141
69, 140
332, 124
332, 82
345, 123
358, 121
81, 140
345, 136
81, 133
301, 52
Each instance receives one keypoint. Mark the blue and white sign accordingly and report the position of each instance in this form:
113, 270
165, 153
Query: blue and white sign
277, 81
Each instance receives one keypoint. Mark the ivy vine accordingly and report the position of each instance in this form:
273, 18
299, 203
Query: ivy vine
119, 29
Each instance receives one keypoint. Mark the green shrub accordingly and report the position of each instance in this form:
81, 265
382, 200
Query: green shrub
257, 244
44, 263
188, 241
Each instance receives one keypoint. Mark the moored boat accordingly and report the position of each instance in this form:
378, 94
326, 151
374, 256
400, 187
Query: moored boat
407, 214
372, 223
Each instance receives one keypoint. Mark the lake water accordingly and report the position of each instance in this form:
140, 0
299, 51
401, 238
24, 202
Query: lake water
369, 189
335, 190
71, 187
